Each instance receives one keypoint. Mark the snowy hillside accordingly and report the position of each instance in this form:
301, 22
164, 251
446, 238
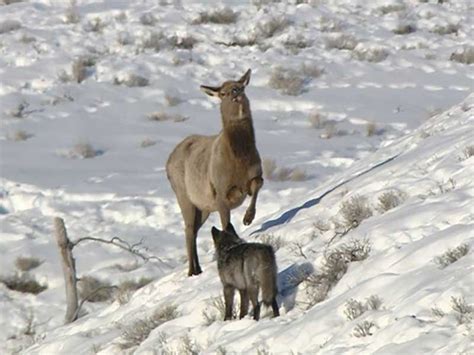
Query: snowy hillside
362, 113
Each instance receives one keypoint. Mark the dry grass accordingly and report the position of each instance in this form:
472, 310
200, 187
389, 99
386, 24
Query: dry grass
83, 151
372, 53
445, 28
464, 55
131, 80
311, 70
26, 263
404, 29
333, 268
355, 308
341, 41
371, 129
451, 255
275, 242
161, 116
389, 200
363, 329
9, 25
216, 310
172, 100
354, 211
94, 290
147, 19
464, 312
23, 284
79, 69
222, 16
19, 136
287, 81
94, 24
126, 288
147, 142
71, 15
274, 173
188, 346
468, 152
181, 42
138, 331
268, 27
154, 41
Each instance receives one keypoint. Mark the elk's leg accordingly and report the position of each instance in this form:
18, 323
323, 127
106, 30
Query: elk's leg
244, 303
276, 311
193, 220
224, 211
229, 301
253, 295
254, 187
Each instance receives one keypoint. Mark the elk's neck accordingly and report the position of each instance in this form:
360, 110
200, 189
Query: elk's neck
241, 137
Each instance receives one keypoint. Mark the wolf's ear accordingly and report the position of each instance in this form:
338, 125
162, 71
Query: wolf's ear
215, 233
244, 80
211, 90
230, 229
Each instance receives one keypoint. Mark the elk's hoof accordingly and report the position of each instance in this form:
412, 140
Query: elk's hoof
249, 216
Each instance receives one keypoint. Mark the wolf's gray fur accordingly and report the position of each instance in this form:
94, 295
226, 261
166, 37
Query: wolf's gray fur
246, 267
216, 173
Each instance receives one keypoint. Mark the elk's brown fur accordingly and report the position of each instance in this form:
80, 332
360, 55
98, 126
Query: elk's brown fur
216, 173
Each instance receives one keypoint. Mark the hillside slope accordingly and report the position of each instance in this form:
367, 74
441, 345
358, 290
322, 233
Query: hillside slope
432, 173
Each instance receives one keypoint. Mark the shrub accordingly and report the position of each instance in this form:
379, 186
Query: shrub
128, 287
161, 116
24, 284
354, 211
181, 42
272, 172
341, 41
287, 81
389, 200
9, 25
445, 28
138, 331
19, 135
437, 312
311, 70
464, 55
94, 290
464, 312
452, 255
79, 70
24, 263
371, 129
296, 42
317, 120
19, 111
153, 40
188, 346
124, 38
222, 16
373, 302
363, 329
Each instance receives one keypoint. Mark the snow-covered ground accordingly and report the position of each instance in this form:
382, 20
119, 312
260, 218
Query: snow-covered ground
387, 116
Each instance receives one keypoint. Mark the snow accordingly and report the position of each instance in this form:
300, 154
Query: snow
419, 100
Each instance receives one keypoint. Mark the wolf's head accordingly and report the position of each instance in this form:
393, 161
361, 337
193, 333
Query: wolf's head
226, 238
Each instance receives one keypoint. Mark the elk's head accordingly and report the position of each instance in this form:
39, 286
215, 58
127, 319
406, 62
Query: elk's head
234, 102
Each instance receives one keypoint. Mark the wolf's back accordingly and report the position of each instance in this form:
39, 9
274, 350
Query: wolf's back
267, 275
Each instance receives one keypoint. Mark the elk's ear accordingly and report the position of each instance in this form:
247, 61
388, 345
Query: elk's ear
211, 90
215, 233
244, 80
230, 229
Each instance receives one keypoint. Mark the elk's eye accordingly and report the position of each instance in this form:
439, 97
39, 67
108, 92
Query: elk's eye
235, 91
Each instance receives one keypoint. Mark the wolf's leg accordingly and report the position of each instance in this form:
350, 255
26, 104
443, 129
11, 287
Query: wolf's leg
254, 187
276, 311
253, 295
229, 301
244, 303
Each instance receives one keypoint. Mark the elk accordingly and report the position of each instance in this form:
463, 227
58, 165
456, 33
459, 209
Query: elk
216, 173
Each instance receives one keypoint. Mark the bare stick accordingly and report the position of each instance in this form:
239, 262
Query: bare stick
122, 244
69, 269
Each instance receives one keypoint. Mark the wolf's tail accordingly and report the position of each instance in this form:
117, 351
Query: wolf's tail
268, 278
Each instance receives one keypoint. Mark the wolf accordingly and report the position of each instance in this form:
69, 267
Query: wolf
247, 267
